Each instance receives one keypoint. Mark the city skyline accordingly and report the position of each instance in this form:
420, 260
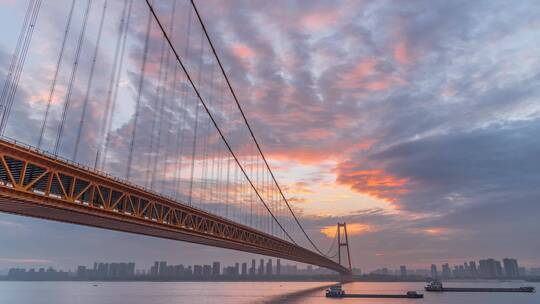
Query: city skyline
487, 268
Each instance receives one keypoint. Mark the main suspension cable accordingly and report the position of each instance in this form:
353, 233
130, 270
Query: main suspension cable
249, 126
199, 96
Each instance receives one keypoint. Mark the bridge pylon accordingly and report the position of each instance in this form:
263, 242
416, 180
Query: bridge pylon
343, 241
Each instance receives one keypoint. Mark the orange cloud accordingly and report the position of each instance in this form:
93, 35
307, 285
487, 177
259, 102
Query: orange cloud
434, 231
315, 134
242, 51
373, 182
352, 229
304, 156
295, 200
300, 188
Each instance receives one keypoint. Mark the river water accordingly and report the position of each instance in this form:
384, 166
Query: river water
240, 292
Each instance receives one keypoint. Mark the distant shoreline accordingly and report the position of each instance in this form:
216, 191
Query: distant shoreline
267, 279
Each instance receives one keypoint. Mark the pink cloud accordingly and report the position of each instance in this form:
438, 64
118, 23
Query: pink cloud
401, 52
320, 20
354, 78
315, 134
242, 51
365, 76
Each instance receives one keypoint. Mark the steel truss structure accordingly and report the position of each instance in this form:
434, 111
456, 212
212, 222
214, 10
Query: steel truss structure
33, 183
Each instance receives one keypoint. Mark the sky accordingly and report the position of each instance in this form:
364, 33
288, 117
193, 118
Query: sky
416, 122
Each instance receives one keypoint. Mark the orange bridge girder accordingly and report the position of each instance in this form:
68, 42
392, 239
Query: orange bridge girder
35, 184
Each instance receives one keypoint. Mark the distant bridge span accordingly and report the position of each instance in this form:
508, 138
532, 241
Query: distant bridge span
35, 184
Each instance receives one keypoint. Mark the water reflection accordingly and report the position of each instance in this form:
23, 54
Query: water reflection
296, 296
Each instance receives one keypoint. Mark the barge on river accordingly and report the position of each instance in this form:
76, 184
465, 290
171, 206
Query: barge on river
337, 292
437, 286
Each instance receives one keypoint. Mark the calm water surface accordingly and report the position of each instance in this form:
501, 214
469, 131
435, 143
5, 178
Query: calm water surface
239, 292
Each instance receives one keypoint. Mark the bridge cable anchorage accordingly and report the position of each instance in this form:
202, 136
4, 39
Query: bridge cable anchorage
90, 82
55, 77
203, 103
249, 126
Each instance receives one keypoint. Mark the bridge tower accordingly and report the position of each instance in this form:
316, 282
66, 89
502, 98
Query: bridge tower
343, 241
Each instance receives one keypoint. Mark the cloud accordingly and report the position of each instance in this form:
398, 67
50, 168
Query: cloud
242, 51
374, 182
315, 21
431, 106
401, 53
352, 229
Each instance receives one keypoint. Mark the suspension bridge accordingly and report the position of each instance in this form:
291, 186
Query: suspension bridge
120, 115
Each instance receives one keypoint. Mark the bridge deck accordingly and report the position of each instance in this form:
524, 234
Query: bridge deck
35, 184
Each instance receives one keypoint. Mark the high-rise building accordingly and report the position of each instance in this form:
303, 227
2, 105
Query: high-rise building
261, 267
434, 272
244, 268
466, 270
253, 267
103, 270
180, 271
498, 269
489, 269
269, 267
162, 268
207, 270
472, 269
130, 269
216, 268
446, 273
81, 272
155, 270
197, 270
403, 270
511, 268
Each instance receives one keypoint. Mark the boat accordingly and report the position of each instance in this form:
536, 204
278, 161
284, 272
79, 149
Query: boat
434, 286
437, 286
337, 292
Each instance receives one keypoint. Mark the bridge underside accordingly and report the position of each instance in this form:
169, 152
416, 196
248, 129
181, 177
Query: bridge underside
37, 185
